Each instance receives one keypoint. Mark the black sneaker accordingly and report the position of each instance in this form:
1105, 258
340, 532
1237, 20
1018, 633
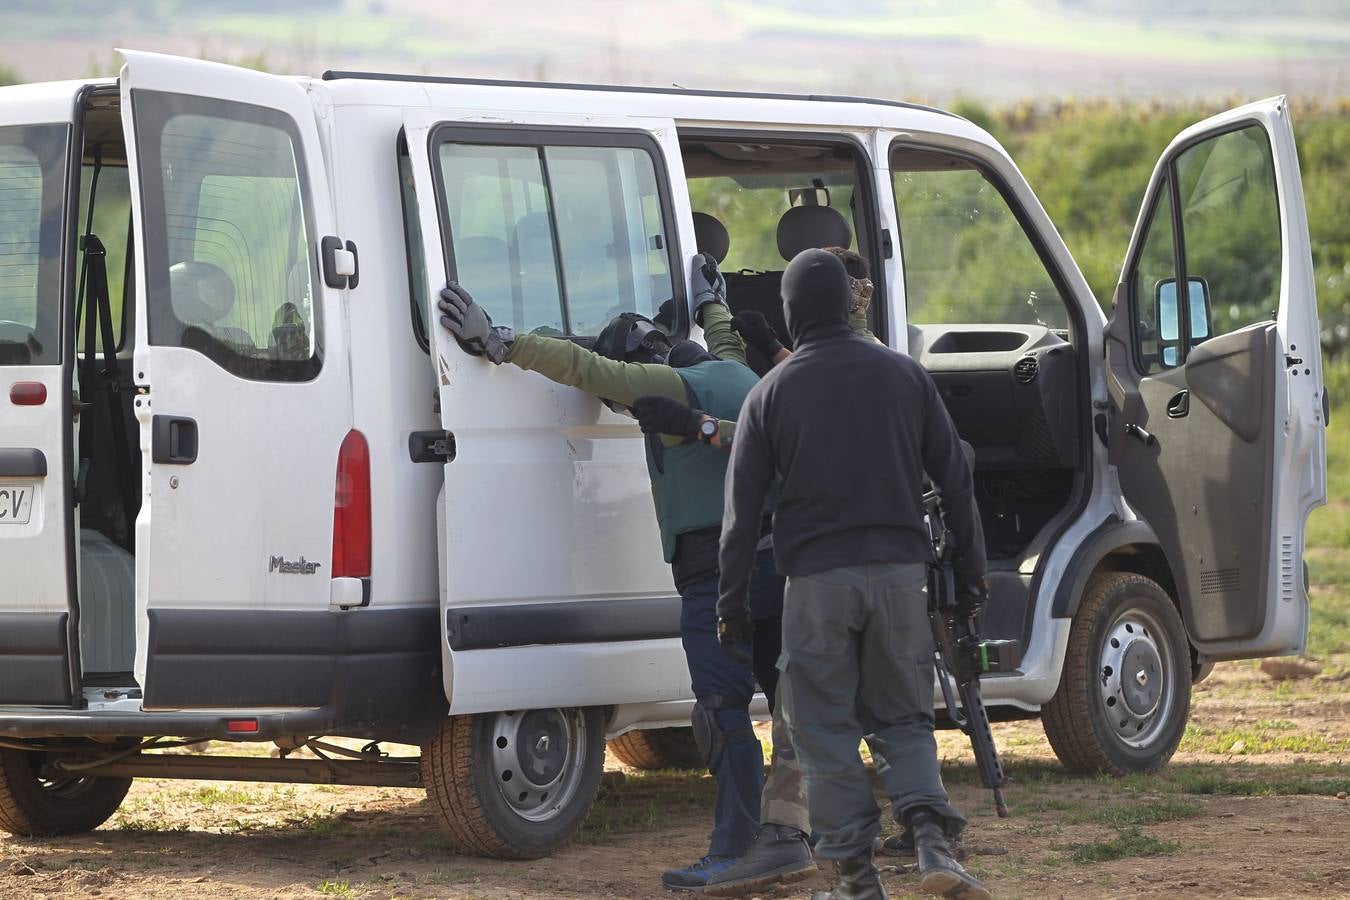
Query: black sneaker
695, 878
779, 855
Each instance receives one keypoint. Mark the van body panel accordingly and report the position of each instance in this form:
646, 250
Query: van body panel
247, 522
37, 569
1220, 438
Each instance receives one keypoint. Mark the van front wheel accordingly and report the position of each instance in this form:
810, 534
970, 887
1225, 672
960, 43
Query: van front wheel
1125, 691
515, 785
36, 801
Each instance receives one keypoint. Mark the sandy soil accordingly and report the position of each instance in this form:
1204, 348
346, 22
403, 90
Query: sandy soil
204, 839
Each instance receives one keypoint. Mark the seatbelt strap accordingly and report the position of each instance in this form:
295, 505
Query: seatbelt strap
99, 308
88, 230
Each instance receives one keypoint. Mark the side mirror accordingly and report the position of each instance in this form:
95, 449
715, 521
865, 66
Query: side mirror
1168, 311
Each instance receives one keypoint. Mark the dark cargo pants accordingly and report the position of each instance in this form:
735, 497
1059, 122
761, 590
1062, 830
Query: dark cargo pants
857, 663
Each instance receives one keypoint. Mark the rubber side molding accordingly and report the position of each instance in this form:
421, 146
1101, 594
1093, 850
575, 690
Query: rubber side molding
602, 621
34, 659
1110, 535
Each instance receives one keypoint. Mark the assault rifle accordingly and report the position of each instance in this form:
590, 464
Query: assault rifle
962, 657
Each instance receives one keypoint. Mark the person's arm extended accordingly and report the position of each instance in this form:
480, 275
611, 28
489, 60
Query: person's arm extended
567, 363
723, 341
857, 320
750, 474
945, 462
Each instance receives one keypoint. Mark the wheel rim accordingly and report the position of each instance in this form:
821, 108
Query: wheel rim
538, 760
1136, 677
55, 783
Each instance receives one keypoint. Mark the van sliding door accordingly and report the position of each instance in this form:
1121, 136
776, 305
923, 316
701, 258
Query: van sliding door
554, 592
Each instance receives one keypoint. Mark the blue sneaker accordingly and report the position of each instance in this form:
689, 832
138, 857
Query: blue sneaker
694, 878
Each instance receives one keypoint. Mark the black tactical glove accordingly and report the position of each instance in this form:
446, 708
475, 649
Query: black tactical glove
734, 634
662, 415
970, 595
708, 284
757, 331
472, 326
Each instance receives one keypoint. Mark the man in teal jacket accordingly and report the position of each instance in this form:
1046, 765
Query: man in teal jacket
633, 359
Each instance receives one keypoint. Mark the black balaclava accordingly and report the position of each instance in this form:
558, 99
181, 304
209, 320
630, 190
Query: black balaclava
687, 353
816, 293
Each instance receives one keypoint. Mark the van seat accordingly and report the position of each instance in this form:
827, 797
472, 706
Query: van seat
107, 604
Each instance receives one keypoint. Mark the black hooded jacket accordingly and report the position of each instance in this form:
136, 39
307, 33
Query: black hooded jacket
850, 426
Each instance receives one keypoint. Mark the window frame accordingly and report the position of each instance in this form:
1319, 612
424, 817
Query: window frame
151, 111
869, 212
1167, 170
540, 137
1067, 297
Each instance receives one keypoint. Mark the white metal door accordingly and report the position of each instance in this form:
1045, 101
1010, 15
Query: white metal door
547, 500
240, 360
1220, 439
36, 528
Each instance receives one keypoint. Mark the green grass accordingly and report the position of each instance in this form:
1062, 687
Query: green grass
647, 802
1131, 842
1240, 779
1267, 736
337, 888
1133, 815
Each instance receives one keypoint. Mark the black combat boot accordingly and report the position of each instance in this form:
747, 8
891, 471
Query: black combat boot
939, 872
902, 844
778, 855
858, 880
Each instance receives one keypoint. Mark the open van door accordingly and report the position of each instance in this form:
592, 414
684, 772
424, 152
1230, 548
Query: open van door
37, 562
1219, 434
554, 592
244, 392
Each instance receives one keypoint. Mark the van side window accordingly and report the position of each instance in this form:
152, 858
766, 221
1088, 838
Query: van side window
231, 268
967, 258
1157, 263
556, 238
32, 176
417, 254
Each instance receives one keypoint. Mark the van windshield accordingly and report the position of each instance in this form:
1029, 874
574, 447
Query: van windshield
32, 181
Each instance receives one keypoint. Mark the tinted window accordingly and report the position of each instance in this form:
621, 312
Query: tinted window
1157, 263
32, 179
966, 257
556, 238
231, 270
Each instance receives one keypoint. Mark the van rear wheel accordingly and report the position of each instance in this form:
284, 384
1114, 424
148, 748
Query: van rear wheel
515, 785
1124, 694
36, 801
658, 748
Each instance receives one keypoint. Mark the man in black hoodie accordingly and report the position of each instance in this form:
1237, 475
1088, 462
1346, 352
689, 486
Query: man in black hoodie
857, 650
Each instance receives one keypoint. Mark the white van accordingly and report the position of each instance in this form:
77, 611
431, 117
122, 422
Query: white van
248, 493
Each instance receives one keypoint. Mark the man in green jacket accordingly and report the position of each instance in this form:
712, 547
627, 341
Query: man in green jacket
633, 359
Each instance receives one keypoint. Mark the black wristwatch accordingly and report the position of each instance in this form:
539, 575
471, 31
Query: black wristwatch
707, 430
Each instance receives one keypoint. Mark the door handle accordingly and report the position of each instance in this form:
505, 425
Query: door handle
1135, 431
173, 440
1179, 406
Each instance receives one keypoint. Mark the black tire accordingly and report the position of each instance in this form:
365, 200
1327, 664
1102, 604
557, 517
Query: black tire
474, 774
658, 748
36, 803
1124, 694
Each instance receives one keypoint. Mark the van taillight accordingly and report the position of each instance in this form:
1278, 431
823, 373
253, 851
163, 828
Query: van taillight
351, 509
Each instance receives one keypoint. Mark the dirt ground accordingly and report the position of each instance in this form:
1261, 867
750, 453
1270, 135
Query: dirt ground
1254, 805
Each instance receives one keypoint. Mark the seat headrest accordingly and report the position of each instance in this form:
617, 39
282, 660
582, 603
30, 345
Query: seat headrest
811, 227
711, 236
201, 293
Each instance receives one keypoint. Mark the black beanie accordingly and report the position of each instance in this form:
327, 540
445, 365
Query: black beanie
687, 353
816, 292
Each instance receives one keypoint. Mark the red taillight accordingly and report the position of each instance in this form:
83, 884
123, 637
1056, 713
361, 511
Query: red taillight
242, 726
351, 509
28, 393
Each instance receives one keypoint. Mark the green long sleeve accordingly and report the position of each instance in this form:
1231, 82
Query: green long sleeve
858, 322
567, 363
723, 341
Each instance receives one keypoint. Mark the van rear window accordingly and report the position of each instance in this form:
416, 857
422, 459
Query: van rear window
230, 269
32, 182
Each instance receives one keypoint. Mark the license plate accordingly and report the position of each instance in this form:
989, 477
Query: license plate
16, 503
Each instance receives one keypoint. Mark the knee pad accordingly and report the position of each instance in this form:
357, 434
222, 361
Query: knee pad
709, 733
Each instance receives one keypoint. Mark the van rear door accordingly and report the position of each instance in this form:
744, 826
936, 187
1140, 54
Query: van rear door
1220, 432
241, 360
554, 592
37, 564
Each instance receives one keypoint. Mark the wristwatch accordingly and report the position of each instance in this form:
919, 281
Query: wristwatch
707, 430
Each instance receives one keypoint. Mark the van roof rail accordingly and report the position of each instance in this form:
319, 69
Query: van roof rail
332, 75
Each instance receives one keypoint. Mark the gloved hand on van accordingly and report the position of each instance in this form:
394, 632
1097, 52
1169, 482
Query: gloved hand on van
708, 285
758, 333
472, 326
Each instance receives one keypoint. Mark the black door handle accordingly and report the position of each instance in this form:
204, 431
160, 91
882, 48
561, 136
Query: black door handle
173, 440
1179, 406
